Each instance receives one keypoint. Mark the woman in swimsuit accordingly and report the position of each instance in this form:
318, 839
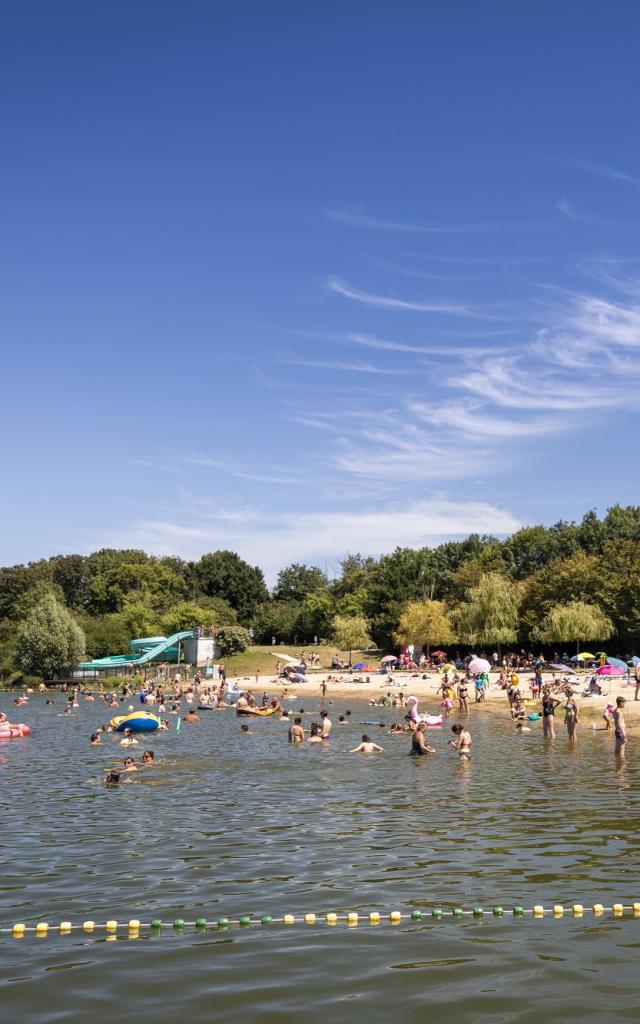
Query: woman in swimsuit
463, 693
419, 745
549, 705
571, 716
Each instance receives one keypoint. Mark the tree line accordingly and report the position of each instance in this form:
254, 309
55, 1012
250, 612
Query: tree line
570, 582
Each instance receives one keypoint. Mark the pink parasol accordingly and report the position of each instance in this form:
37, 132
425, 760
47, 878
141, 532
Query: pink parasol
479, 665
609, 670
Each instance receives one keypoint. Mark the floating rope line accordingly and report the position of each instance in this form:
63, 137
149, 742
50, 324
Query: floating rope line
133, 927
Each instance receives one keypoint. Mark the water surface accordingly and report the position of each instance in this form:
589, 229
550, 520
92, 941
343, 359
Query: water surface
230, 824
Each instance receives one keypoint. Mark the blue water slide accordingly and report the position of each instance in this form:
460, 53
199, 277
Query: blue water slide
148, 654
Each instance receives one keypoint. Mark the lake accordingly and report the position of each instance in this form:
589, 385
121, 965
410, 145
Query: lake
230, 825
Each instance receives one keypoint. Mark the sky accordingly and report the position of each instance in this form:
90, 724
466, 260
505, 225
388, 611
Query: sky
307, 279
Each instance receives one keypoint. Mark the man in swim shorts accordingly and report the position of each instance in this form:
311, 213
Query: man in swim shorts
367, 746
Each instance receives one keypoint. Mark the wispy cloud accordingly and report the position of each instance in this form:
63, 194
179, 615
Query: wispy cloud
344, 367
603, 171
358, 218
569, 210
230, 469
335, 284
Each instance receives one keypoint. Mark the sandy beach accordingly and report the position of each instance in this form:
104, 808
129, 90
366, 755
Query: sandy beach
342, 686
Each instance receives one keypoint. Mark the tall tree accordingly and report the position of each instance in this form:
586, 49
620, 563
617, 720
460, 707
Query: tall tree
351, 633
49, 642
224, 574
425, 622
490, 615
575, 621
296, 581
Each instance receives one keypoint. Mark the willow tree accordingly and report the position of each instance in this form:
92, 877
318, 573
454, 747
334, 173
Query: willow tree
424, 622
351, 632
490, 613
577, 621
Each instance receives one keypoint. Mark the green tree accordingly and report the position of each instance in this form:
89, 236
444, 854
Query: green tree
574, 621
191, 614
233, 640
224, 574
490, 615
49, 641
296, 581
351, 633
71, 573
316, 616
425, 622
277, 619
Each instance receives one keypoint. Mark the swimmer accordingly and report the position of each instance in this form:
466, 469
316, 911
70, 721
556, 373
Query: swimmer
164, 725
95, 739
129, 739
342, 720
130, 765
325, 725
463, 742
521, 728
366, 746
314, 735
148, 757
112, 779
191, 716
396, 730
419, 745
620, 729
244, 729
296, 732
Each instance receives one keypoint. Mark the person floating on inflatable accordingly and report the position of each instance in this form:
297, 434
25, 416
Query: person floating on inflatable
10, 730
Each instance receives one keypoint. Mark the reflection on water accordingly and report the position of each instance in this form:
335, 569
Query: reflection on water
232, 825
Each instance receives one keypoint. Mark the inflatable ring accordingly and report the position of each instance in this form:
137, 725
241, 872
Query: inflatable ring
138, 721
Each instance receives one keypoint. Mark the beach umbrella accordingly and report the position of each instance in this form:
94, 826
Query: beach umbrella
449, 667
387, 658
635, 661
610, 670
585, 656
618, 663
563, 668
438, 654
479, 665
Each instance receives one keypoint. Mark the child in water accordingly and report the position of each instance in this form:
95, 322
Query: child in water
463, 742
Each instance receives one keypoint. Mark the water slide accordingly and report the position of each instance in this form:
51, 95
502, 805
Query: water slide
144, 651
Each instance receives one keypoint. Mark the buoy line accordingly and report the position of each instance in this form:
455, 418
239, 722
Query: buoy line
133, 926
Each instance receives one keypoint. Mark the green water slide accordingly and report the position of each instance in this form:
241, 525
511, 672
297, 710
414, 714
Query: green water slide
152, 650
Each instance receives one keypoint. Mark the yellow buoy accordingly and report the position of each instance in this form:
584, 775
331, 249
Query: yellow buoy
558, 910
598, 908
395, 916
88, 926
65, 927
18, 930
636, 909
618, 909
578, 909
538, 911
331, 918
352, 918
310, 918
374, 917
288, 919
111, 926
134, 925
42, 928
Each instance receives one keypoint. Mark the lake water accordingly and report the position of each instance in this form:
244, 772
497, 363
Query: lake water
230, 825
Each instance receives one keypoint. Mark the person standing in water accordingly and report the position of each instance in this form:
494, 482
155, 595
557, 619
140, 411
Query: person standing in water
366, 747
463, 742
463, 694
419, 745
549, 705
571, 716
620, 729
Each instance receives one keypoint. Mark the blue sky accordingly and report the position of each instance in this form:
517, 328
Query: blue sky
300, 279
